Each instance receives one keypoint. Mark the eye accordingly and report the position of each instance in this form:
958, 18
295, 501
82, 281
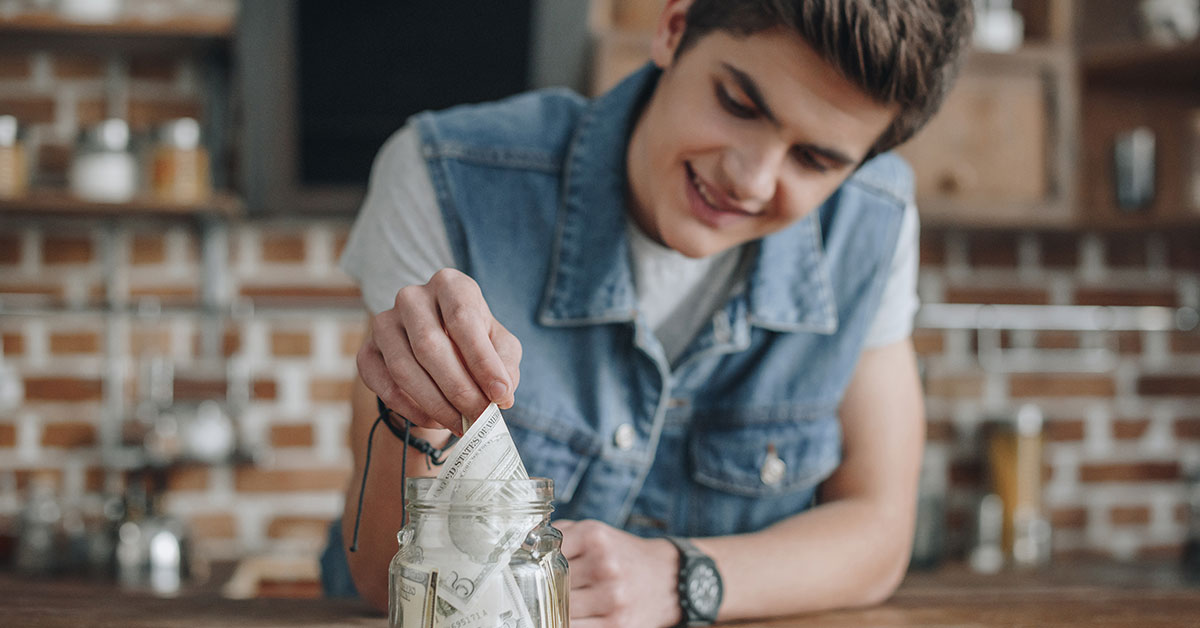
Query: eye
731, 104
808, 159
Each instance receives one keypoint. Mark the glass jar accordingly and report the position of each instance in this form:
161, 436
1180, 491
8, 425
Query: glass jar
104, 168
478, 554
180, 172
14, 170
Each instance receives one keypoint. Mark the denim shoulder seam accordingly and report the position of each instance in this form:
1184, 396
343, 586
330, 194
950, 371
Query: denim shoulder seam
871, 186
455, 231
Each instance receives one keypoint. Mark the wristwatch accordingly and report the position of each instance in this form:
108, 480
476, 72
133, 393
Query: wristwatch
700, 588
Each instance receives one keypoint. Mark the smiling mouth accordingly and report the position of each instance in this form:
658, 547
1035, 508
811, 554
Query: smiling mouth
707, 195
702, 189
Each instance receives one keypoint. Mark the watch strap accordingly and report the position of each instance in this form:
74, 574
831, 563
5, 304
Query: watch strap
686, 547
689, 554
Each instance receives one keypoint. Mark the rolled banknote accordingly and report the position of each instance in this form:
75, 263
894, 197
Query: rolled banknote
485, 452
482, 544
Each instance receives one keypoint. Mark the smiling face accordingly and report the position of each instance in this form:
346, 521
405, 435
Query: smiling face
742, 137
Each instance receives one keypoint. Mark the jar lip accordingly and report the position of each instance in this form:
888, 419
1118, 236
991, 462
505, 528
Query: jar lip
180, 133
533, 482
110, 135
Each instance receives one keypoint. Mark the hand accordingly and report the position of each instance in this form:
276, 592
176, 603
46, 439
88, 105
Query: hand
620, 580
439, 354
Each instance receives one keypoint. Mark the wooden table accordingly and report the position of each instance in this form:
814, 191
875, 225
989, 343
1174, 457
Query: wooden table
1078, 595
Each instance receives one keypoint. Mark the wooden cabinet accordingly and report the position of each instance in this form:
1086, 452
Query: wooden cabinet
1000, 151
1137, 86
1101, 81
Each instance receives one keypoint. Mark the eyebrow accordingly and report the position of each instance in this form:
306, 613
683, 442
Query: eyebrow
750, 87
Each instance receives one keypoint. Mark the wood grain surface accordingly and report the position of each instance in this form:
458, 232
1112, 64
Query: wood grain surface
1100, 594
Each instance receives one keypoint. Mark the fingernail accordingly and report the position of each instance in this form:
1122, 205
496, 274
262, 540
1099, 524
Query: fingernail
498, 390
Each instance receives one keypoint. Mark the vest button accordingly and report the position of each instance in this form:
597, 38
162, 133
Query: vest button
772, 469
624, 437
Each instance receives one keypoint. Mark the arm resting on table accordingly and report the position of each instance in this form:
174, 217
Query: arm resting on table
852, 549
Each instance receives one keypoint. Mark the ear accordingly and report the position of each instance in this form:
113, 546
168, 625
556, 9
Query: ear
668, 33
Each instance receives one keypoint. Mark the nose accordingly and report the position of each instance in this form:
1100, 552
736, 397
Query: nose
751, 172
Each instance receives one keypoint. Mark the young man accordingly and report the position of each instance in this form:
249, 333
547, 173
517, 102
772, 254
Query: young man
710, 271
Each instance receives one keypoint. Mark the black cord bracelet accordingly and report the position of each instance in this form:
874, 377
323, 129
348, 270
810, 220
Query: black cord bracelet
434, 457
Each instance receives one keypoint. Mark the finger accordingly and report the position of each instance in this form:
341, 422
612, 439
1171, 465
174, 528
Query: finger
592, 569
409, 376
437, 354
374, 373
509, 350
573, 545
591, 602
468, 322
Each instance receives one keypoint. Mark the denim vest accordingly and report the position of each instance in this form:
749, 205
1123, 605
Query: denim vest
741, 430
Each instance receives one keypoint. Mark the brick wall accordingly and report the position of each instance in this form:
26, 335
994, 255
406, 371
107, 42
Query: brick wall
1118, 438
60, 348
1122, 408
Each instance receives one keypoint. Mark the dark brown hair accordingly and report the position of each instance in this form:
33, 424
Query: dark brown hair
902, 52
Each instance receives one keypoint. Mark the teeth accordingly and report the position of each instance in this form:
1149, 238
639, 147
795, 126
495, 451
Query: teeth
704, 194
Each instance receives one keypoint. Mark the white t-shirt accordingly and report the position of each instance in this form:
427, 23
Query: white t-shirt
399, 239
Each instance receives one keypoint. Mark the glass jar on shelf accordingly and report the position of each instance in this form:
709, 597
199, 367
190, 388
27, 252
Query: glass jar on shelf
104, 169
14, 165
478, 553
180, 168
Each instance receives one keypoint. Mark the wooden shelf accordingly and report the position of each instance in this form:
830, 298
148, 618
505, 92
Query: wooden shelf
61, 203
201, 33
202, 27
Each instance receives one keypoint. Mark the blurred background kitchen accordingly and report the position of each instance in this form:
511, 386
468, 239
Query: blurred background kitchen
178, 177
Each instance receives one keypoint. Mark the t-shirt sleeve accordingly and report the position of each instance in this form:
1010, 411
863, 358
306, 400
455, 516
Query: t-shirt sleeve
894, 320
399, 237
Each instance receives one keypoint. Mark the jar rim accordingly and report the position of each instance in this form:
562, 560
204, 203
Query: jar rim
536, 493
535, 484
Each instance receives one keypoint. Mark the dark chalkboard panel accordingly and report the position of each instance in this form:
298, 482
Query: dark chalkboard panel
364, 67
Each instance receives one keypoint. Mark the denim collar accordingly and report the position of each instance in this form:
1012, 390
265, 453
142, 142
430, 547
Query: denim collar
591, 279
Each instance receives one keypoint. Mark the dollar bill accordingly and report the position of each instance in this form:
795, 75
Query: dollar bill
421, 603
483, 544
515, 603
485, 452
413, 590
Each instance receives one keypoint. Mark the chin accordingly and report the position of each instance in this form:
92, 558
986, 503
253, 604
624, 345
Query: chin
696, 247
695, 253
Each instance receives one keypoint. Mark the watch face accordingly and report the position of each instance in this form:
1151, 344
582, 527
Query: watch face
704, 590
